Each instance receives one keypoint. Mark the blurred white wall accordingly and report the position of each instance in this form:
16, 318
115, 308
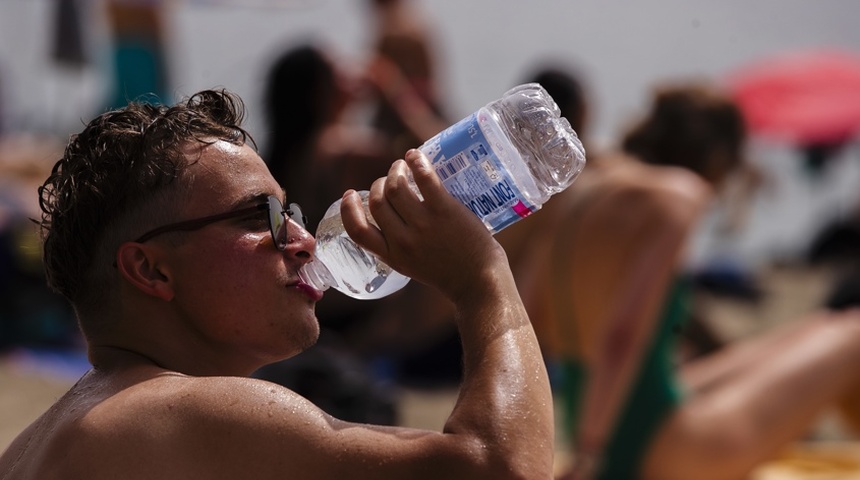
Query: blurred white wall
485, 46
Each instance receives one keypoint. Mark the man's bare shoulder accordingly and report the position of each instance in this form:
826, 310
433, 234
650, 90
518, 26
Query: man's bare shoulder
173, 407
176, 426
174, 397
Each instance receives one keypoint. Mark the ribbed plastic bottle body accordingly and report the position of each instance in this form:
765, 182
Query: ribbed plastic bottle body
508, 158
503, 162
547, 144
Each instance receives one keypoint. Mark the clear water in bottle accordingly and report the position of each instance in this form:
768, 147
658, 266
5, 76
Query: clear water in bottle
342, 264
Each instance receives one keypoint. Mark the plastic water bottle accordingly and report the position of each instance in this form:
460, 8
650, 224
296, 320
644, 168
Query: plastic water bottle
503, 162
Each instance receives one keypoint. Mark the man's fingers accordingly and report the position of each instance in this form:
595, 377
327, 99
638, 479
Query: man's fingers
358, 226
425, 177
400, 194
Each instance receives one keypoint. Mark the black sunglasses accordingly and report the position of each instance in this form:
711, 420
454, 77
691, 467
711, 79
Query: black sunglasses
278, 220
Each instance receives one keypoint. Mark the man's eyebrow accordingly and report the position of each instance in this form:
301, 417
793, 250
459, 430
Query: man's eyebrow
250, 200
260, 196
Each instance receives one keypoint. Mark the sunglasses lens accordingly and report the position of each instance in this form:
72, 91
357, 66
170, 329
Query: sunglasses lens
296, 215
277, 223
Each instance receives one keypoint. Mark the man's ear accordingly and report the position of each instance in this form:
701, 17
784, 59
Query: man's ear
138, 264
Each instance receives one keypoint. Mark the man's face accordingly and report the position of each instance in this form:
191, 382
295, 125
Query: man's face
236, 290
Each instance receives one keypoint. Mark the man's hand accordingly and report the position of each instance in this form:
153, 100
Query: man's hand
437, 241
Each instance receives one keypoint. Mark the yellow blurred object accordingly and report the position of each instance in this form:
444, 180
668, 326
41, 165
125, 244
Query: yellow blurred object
813, 461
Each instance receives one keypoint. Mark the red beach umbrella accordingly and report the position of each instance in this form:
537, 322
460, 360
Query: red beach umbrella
807, 98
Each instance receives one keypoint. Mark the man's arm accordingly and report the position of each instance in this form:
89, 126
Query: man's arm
502, 422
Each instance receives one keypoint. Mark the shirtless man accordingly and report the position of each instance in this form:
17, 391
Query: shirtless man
167, 233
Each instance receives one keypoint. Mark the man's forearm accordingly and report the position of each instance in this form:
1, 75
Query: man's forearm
505, 399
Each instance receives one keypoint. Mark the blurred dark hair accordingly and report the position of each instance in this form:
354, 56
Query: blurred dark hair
299, 95
567, 91
693, 126
112, 183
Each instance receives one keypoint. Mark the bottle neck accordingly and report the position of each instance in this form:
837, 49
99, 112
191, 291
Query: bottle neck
317, 275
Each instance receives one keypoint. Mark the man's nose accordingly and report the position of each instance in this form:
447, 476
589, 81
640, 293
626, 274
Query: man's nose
300, 242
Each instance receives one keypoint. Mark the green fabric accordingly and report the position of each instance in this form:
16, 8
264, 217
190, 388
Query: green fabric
654, 394
139, 73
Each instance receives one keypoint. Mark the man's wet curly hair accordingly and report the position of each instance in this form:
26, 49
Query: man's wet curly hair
110, 185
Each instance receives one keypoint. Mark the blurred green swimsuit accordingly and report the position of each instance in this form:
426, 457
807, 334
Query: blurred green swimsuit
654, 394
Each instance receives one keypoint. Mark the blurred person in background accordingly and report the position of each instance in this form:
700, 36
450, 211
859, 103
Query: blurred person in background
318, 147
31, 315
404, 63
140, 63
602, 282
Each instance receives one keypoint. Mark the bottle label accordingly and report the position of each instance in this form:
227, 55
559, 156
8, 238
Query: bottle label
471, 170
